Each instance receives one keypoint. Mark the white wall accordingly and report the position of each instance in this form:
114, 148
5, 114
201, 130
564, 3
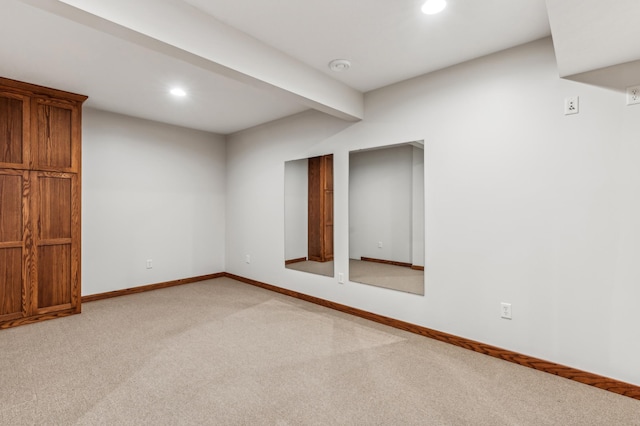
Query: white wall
380, 207
523, 205
149, 191
417, 207
296, 214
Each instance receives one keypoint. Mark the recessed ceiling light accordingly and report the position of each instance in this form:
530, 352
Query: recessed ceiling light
431, 7
339, 65
176, 91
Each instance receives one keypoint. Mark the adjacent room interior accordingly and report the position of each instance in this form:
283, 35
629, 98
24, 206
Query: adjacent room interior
363, 189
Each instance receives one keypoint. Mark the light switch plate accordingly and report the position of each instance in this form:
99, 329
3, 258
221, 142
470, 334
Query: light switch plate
505, 310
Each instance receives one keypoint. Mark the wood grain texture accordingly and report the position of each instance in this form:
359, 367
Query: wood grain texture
76, 241
29, 89
54, 220
54, 276
387, 262
11, 283
40, 139
54, 142
601, 382
11, 135
328, 206
320, 208
150, 287
52, 284
29, 267
31, 319
315, 239
11, 213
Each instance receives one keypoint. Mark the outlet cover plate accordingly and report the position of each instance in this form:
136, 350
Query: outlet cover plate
571, 105
633, 95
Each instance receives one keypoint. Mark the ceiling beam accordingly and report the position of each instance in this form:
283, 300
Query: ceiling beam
593, 34
179, 30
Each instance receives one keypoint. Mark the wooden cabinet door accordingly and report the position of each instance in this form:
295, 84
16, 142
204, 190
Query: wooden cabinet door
40, 137
55, 283
15, 241
14, 130
56, 137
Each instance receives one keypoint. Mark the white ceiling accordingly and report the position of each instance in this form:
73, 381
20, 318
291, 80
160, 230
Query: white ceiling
386, 40
119, 76
246, 62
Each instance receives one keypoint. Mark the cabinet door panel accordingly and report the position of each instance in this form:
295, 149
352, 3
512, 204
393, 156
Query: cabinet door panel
13, 282
54, 275
14, 129
55, 208
56, 285
11, 213
54, 141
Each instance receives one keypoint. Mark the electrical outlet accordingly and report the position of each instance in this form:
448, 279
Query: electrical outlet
340, 278
633, 95
571, 105
149, 263
247, 259
379, 244
505, 310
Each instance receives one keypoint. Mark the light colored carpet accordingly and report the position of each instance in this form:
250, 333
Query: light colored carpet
388, 276
320, 268
221, 352
378, 274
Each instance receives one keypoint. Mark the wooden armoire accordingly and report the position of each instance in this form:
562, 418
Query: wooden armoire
320, 209
40, 149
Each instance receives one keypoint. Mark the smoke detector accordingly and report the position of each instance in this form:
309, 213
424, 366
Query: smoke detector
339, 65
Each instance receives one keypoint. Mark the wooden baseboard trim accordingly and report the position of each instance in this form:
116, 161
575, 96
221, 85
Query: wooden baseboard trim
149, 287
601, 382
299, 259
417, 268
387, 262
